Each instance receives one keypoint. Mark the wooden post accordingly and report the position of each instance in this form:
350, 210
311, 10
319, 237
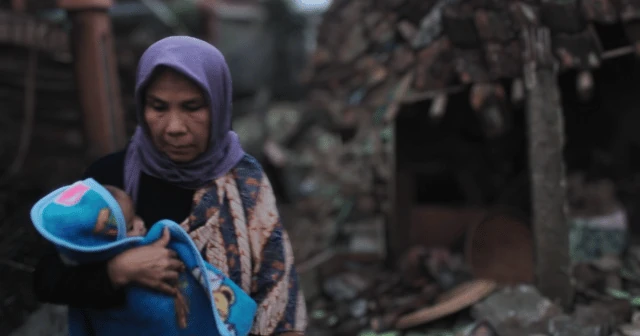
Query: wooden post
546, 164
401, 201
210, 19
96, 75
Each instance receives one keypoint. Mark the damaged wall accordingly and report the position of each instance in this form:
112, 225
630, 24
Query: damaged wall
401, 52
53, 147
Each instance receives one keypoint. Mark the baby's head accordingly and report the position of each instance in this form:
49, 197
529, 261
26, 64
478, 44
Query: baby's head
87, 221
135, 224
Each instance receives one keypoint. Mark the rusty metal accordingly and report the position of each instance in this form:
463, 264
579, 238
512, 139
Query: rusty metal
500, 248
441, 226
97, 78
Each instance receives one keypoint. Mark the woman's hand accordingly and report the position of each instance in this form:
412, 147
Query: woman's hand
153, 266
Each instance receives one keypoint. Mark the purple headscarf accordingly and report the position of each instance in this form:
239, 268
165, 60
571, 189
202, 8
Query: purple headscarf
205, 65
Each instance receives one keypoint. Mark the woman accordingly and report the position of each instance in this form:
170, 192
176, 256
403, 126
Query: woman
185, 164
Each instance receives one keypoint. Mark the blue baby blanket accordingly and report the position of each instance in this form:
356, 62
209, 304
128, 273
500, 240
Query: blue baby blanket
212, 304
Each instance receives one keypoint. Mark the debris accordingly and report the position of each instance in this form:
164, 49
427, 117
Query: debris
598, 221
251, 133
439, 106
450, 302
481, 328
629, 330
360, 297
607, 314
564, 325
517, 311
337, 155
584, 85
500, 248
607, 263
345, 286
374, 57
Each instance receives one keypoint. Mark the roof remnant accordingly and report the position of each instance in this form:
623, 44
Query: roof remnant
450, 42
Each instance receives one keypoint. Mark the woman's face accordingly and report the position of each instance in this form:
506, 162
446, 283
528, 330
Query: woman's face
178, 117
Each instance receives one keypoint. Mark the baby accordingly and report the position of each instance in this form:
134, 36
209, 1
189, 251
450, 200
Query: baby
104, 225
90, 222
135, 225
135, 228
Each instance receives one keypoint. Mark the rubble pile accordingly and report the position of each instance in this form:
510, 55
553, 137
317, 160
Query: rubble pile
360, 298
335, 152
435, 291
330, 184
374, 57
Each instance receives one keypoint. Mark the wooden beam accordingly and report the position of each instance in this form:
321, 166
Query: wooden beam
401, 191
97, 79
546, 165
392, 187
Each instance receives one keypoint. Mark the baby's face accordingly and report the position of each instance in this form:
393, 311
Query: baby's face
135, 224
136, 227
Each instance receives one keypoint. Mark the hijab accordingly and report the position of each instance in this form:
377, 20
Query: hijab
205, 65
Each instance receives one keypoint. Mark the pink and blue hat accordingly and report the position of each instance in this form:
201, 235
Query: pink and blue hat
69, 218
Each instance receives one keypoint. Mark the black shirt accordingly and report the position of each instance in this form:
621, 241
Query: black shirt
89, 286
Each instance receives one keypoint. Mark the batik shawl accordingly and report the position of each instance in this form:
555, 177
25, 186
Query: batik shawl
236, 226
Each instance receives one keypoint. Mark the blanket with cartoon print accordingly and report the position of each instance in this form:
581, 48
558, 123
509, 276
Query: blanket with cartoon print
209, 303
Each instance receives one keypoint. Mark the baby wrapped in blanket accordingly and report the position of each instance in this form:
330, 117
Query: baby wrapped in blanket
88, 222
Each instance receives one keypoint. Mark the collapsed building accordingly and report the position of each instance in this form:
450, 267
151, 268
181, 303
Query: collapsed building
434, 118
418, 126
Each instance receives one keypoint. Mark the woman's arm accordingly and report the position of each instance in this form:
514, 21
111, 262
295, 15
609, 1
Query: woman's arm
94, 286
275, 288
101, 285
86, 286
